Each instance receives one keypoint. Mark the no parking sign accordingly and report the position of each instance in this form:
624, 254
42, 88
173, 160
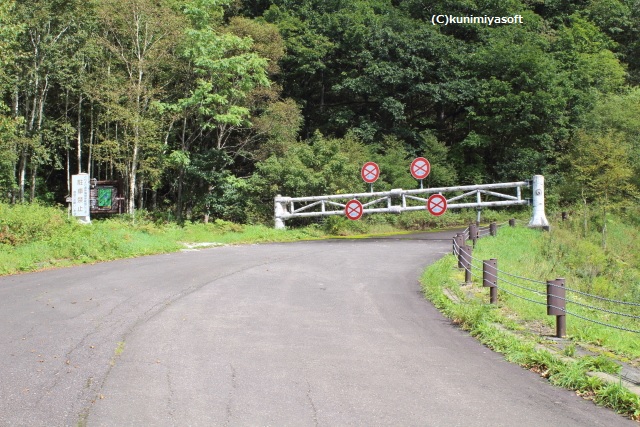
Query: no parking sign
353, 210
437, 204
420, 168
370, 172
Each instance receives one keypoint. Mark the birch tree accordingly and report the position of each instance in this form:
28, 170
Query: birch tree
140, 37
8, 32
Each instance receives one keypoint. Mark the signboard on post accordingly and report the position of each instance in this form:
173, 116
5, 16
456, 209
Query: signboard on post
353, 210
80, 192
420, 168
370, 172
437, 204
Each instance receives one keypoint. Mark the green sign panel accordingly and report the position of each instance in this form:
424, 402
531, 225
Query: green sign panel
104, 197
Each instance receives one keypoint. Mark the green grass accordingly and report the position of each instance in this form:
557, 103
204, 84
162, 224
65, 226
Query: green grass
35, 237
546, 256
516, 327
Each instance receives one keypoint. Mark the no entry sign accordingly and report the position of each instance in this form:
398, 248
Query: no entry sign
437, 204
353, 210
370, 172
420, 168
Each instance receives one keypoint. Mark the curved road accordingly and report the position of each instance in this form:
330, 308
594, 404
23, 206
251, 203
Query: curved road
326, 333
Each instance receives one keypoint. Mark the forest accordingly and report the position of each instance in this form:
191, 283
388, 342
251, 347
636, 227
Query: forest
209, 108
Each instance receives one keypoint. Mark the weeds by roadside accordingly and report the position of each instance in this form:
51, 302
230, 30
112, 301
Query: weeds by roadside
514, 326
35, 237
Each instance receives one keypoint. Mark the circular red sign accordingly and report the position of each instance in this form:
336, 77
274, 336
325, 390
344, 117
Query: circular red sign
437, 204
370, 172
420, 168
353, 210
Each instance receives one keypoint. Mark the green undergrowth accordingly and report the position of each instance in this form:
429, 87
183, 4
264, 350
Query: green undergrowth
35, 237
517, 327
587, 269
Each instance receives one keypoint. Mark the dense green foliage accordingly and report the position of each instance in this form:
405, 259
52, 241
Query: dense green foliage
212, 107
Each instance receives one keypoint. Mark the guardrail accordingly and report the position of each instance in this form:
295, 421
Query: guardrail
554, 294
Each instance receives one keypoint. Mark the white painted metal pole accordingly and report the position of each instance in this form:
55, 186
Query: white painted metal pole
538, 218
278, 212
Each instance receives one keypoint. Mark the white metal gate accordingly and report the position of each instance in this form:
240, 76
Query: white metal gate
399, 200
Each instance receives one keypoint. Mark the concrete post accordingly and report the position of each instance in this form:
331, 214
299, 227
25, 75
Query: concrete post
81, 197
538, 217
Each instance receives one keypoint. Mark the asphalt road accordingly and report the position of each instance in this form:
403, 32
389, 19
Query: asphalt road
327, 333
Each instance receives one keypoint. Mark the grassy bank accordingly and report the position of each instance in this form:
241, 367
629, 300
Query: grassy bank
519, 326
35, 237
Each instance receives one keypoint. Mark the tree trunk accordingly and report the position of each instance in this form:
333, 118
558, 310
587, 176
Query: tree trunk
22, 174
179, 205
16, 114
79, 136
133, 170
141, 194
604, 221
34, 170
91, 136
584, 200
154, 200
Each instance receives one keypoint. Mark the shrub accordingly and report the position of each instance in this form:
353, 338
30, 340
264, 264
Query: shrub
21, 224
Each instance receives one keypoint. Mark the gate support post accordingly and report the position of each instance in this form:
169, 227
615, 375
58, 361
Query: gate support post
279, 209
538, 218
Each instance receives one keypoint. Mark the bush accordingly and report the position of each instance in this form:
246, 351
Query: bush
21, 224
337, 225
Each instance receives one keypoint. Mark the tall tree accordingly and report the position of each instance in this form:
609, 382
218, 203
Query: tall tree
48, 27
140, 37
599, 165
224, 70
9, 30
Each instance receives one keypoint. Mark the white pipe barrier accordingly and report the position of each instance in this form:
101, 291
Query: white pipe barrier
285, 207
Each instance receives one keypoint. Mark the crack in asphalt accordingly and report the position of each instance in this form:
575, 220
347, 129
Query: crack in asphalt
161, 306
232, 392
313, 406
24, 336
170, 408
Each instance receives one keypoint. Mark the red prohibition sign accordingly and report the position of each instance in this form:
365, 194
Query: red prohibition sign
353, 210
420, 168
437, 204
370, 172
